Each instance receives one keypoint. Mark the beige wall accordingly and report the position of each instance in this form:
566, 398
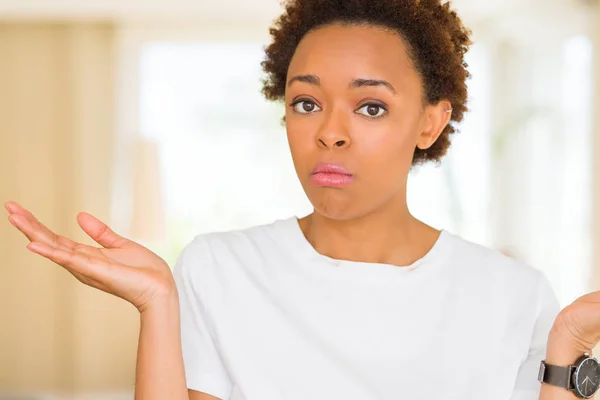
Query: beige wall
56, 149
595, 284
596, 124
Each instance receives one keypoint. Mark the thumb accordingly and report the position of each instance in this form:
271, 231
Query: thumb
100, 232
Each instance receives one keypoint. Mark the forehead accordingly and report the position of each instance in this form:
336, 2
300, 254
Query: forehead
340, 53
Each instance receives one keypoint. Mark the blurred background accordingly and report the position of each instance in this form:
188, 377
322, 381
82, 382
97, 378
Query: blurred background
123, 109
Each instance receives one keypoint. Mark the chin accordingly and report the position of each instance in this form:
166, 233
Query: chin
344, 204
335, 207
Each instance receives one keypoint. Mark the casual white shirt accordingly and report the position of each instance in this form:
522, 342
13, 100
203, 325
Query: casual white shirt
264, 316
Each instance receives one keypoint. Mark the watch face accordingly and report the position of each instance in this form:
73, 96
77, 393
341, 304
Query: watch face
587, 378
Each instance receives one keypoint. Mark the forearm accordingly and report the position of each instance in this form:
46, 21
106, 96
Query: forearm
563, 353
159, 371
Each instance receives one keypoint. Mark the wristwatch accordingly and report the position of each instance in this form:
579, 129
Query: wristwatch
582, 378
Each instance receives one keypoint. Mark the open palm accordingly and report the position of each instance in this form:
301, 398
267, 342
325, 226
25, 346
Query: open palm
120, 267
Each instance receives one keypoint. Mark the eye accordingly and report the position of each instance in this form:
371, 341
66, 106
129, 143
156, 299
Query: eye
372, 110
305, 106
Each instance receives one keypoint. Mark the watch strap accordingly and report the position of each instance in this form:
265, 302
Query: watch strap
556, 375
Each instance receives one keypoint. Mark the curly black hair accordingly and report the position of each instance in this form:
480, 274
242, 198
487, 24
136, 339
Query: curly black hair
436, 37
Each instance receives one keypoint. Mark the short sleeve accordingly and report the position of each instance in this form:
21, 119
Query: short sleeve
527, 386
204, 368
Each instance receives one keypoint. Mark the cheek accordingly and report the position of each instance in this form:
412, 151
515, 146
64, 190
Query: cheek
389, 148
300, 144
300, 137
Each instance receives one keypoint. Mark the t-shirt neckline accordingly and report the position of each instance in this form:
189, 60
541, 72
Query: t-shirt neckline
432, 260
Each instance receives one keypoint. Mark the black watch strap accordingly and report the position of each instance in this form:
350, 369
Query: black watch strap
556, 375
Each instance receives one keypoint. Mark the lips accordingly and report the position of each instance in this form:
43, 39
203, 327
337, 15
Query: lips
331, 175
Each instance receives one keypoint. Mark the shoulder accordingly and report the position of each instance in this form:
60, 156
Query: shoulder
245, 239
515, 289
495, 268
206, 250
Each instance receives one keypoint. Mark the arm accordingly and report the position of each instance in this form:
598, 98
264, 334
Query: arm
561, 351
159, 367
575, 331
130, 271
159, 371
563, 357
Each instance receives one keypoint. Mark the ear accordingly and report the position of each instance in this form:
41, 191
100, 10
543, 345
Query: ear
435, 119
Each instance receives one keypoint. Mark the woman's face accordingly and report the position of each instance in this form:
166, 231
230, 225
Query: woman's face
354, 115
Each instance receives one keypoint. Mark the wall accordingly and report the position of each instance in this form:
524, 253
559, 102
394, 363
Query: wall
596, 202
56, 149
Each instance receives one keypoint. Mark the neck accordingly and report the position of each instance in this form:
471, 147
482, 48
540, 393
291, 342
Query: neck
390, 236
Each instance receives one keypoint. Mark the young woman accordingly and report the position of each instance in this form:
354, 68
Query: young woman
359, 299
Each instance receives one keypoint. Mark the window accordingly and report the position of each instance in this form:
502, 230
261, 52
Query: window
517, 177
224, 158
455, 195
223, 153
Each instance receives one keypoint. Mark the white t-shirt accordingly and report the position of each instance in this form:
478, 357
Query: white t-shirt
264, 316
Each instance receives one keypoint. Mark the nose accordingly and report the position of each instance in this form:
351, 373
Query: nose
333, 132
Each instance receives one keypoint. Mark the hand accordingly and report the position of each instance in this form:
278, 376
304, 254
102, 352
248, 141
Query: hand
577, 326
120, 267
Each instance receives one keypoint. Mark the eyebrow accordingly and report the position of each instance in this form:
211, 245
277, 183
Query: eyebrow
356, 83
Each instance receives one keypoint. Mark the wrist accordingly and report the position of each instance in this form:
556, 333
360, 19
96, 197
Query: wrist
166, 302
563, 351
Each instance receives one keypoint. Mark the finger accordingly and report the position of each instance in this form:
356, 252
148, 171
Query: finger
33, 229
36, 232
15, 208
75, 262
100, 232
